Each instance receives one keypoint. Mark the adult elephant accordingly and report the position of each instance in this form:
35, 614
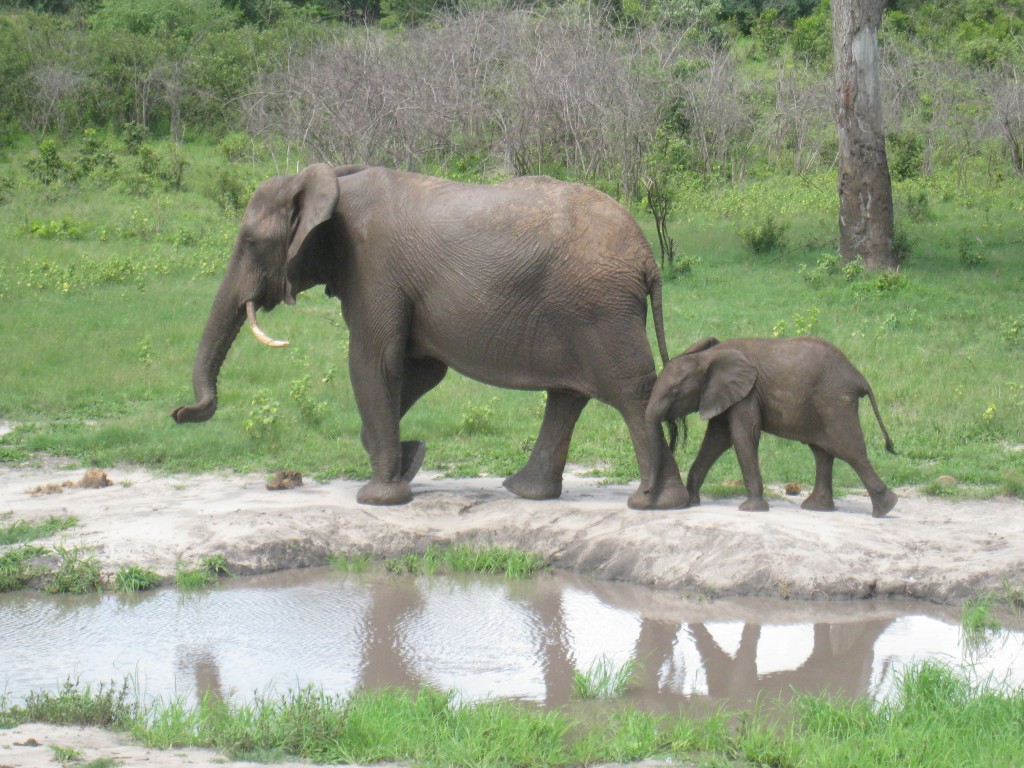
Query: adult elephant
530, 284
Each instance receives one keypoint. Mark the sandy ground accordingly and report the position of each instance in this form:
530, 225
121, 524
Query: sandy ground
925, 548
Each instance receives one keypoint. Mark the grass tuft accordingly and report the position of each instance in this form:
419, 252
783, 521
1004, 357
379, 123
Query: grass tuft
603, 679
76, 573
21, 531
134, 578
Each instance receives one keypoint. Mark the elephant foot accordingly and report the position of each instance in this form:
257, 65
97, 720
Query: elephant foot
754, 505
413, 452
528, 485
380, 493
882, 506
675, 497
819, 503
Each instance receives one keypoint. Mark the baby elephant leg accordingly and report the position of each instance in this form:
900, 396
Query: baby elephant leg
745, 429
820, 498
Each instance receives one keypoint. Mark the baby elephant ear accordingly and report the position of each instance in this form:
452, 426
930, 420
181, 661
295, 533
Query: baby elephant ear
729, 378
706, 343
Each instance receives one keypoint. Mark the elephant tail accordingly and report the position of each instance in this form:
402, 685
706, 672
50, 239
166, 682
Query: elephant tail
885, 433
674, 426
654, 291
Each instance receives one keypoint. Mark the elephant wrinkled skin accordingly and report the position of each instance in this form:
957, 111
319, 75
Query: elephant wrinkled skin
530, 284
801, 389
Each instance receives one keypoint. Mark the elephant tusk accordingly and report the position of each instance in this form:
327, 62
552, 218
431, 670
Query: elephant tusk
250, 313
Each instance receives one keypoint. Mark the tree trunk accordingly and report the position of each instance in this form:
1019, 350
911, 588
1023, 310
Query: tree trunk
865, 190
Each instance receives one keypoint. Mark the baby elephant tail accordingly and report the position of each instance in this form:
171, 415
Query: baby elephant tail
673, 432
885, 433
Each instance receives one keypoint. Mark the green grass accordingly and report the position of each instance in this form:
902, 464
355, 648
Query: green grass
942, 344
468, 558
17, 566
934, 716
134, 578
21, 531
603, 679
77, 572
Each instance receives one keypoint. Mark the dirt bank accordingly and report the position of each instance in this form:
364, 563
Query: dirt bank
926, 548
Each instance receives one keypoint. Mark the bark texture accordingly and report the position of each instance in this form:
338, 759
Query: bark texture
865, 190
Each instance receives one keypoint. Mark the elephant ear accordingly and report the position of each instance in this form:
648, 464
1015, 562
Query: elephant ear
313, 201
705, 343
728, 379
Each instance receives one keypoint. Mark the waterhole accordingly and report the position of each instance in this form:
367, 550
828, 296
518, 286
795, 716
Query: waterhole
480, 637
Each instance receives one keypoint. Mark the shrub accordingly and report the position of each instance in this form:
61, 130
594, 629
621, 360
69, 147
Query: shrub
969, 251
764, 237
905, 153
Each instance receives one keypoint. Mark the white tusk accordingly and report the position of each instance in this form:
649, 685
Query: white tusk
250, 312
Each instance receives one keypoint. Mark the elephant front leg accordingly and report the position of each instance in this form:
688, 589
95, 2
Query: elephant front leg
541, 477
716, 442
745, 429
377, 385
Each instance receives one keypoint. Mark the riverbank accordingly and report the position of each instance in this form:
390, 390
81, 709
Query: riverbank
926, 548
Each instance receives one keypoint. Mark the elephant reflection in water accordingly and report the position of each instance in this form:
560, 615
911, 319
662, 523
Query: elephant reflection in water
201, 665
840, 662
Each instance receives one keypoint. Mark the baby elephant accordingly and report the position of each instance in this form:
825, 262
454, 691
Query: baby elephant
801, 389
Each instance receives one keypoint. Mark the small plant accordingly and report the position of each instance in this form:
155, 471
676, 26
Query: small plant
77, 573
764, 237
853, 270
66, 755
145, 351
352, 563
889, 282
826, 265
603, 679
977, 622
804, 323
135, 579
262, 415
190, 579
301, 392
1012, 331
477, 419
217, 565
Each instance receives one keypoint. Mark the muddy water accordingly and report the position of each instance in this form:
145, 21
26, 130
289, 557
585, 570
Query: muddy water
482, 637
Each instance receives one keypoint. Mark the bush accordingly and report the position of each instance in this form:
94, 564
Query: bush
905, 153
768, 236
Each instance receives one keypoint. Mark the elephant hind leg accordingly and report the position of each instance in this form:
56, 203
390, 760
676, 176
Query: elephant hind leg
847, 443
421, 376
541, 477
821, 499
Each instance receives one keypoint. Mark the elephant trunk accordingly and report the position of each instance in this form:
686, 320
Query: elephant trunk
222, 326
655, 445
